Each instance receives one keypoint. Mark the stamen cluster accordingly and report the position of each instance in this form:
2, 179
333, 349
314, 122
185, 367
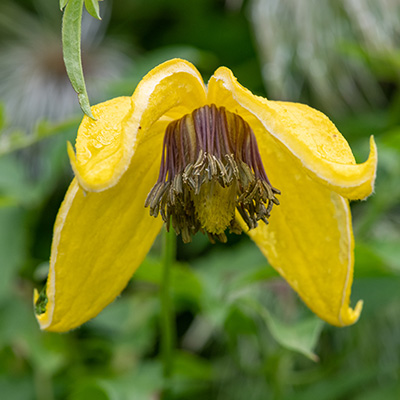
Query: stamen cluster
210, 166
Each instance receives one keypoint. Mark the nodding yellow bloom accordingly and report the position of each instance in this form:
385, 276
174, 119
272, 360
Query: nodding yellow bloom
205, 158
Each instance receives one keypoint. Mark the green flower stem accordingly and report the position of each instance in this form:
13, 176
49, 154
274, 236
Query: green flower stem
18, 140
71, 44
167, 324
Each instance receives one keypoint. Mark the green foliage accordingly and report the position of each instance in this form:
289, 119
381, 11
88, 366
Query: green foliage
13, 139
63, 3
92, 6
241, 332
301, 336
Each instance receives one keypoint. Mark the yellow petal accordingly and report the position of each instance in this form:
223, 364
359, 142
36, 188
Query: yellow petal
305, 132
105, 146
99, 241
309, 239
100, 145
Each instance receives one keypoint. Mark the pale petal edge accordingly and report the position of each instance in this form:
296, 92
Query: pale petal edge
347, 315
45, 319
350, 180
136, 122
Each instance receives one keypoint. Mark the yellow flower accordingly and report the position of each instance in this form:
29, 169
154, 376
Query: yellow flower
103, 230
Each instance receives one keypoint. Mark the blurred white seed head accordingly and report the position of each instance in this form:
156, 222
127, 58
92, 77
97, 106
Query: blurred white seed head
301, 46
33, 81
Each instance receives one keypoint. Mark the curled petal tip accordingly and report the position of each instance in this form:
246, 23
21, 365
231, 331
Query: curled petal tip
350, 316
365, 174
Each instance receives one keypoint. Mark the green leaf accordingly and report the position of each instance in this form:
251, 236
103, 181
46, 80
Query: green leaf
63, 3
92, 7
91, 391
71, 40
300, 336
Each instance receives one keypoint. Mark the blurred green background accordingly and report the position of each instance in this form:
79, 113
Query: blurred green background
241, 332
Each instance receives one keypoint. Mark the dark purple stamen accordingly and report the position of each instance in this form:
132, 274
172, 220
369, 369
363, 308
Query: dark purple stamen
210, 145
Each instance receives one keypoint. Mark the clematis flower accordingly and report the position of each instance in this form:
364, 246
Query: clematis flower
205, 158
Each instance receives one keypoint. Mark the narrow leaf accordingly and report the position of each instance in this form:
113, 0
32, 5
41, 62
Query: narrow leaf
92, 7
71, 40
63, 3
301, 336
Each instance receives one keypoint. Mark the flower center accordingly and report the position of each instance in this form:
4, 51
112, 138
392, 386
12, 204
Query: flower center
210, 167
